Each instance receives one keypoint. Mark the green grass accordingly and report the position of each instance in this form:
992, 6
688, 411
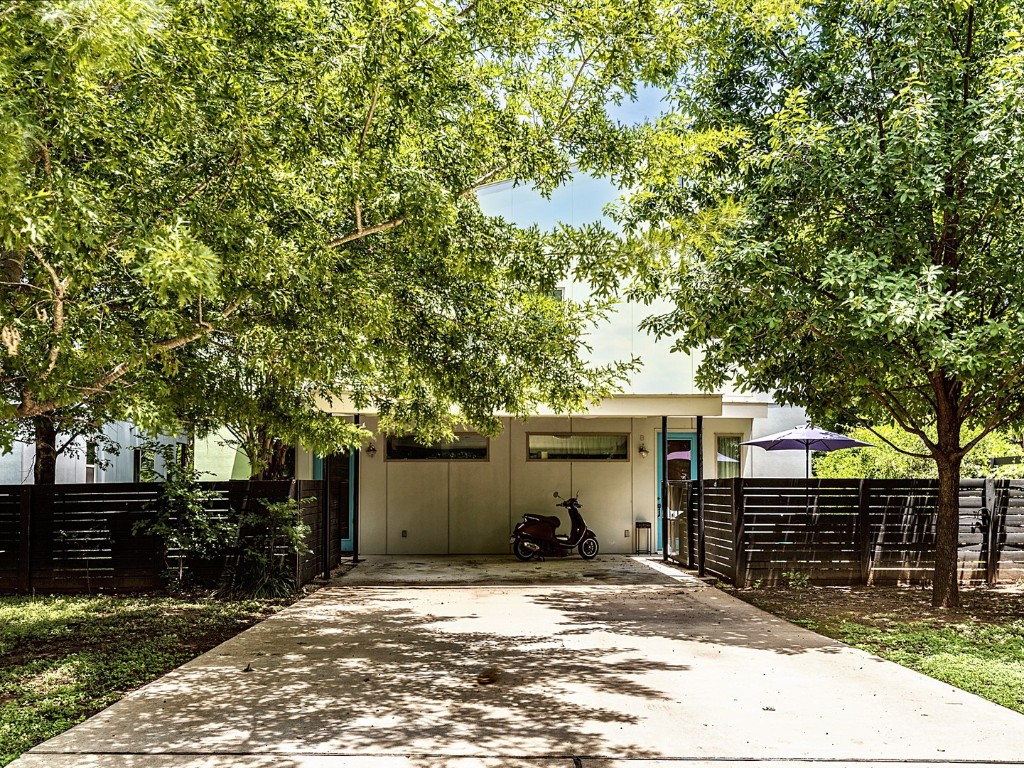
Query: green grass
978, 647
985, 659
64, 658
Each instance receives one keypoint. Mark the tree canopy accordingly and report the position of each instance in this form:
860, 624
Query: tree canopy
835, 208
286, 187
901, 455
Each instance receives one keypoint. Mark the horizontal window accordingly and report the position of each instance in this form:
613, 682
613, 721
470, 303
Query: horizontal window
728, 456
465, 447
577, 447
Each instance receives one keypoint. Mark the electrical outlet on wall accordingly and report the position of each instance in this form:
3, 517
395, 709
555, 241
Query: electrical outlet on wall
405, 534
625, 533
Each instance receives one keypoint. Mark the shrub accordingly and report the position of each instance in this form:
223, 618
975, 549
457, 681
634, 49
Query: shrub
268, 534
185, 525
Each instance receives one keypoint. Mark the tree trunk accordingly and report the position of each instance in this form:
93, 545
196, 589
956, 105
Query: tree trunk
45, 469
274, 460
945, 587
260, 461
278, 467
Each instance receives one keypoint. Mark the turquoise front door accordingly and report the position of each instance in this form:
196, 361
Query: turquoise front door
682, 466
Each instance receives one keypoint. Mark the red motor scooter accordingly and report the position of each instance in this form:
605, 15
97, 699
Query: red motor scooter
536, 537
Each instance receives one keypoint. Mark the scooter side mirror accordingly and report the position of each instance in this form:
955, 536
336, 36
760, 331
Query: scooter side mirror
557, 496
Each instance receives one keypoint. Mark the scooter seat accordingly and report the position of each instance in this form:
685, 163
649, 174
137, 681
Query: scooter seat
552, 519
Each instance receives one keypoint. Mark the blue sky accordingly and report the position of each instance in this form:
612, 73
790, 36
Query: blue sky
581, 201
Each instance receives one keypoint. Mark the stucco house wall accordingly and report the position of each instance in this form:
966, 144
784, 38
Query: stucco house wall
470, 507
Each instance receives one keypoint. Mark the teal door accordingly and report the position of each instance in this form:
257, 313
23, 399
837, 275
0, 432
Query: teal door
682, 467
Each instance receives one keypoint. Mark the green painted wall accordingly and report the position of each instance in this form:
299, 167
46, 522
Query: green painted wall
220, 460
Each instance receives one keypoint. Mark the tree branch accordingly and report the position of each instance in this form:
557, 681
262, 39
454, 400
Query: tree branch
58, 292
361, 233
29, 407
563, 117
369, 119
562, 113
1007, 384
895, 447
899, 414
436, 35
998, 421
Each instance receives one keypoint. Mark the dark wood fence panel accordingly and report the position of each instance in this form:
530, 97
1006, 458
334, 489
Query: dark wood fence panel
973, 538
76, 530
336, 494
81, 538
1008, 532
13, 558
719, 528
868, 531
310, 496
799, 527
902, 534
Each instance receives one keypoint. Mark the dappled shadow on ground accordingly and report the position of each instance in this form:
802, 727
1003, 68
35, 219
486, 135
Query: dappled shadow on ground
294, 761
522, 676
367, 674
700, 615
498, 570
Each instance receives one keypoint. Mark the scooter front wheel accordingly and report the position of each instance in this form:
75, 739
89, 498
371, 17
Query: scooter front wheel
588, 549
523, 552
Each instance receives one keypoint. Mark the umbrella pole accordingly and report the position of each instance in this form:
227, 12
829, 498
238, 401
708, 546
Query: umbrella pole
807, 479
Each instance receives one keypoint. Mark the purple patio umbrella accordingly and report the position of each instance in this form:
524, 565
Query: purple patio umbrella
685, 455
807, 438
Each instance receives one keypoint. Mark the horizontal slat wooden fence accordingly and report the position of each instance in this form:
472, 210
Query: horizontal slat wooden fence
1009, 535
719, 530
80, 538
836, 532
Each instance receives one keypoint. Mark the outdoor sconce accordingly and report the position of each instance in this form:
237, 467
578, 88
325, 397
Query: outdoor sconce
371, 450
642, 448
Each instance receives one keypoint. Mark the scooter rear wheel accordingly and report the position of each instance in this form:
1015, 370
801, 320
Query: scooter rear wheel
522, 552
588, 549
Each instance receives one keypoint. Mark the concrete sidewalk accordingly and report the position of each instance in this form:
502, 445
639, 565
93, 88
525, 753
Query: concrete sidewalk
431, 663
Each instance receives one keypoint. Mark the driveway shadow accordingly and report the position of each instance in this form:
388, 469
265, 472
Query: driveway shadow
362, 672
683, 613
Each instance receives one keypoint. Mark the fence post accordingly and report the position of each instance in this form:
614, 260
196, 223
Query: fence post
691, 528
25, 540
864, 532
994, 515
296, 558
324, 499
739, 557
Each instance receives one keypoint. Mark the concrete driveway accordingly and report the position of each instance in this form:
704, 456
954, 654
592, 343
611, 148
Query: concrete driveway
486, 662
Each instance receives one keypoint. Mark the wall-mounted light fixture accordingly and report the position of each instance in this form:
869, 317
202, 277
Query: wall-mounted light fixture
642, 449
371, 450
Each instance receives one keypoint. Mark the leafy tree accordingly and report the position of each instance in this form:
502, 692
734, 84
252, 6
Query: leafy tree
902, 455
182, 174
841, 185
256, 391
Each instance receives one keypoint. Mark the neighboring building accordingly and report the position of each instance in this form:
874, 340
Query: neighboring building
85, 461
466, 497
